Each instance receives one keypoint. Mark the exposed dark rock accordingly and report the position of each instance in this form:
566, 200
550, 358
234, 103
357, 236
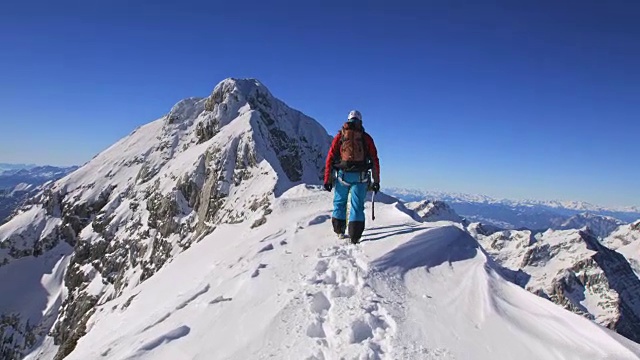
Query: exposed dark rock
162, 210
76, 311
207, 129
619, 276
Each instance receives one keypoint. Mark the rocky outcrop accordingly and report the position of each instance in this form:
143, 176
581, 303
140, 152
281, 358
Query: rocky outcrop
574, 270
434, 210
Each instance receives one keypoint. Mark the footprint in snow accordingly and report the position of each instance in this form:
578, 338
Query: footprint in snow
319, 303
359, 332
315, 330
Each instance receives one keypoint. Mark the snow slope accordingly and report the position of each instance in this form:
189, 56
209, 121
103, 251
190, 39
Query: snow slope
573, 269
290, 290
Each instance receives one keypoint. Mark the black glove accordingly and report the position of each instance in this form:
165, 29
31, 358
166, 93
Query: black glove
328, 186
375, 187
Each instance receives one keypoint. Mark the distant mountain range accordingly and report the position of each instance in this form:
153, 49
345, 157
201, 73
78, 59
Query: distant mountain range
13, 175
6, 167
18, 181
527, 214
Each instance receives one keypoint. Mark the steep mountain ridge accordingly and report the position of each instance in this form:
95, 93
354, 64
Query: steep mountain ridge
573, 269
626, 240
434, 210
288, 290
221, 159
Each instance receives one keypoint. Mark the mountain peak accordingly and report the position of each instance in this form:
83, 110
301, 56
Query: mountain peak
223, 159
245, 86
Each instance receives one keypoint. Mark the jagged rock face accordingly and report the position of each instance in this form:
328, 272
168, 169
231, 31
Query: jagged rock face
221, 159
573, 269
434, 210
479, 229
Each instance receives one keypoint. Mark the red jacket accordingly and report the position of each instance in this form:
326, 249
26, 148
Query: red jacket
334, 151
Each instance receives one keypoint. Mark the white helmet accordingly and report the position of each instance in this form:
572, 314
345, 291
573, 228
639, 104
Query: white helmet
355, 115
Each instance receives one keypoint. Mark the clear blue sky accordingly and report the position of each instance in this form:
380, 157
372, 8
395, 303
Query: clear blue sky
536, 99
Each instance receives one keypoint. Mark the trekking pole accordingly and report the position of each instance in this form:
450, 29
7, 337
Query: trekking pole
373, 206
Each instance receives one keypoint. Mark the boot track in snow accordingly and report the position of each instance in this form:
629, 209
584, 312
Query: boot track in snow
346, 316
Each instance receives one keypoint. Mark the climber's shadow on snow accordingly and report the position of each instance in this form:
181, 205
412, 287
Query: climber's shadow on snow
390, 231
429, 249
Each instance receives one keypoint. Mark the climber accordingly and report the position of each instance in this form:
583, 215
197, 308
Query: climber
351, 162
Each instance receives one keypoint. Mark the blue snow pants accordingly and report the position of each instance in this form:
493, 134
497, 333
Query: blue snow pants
345, 183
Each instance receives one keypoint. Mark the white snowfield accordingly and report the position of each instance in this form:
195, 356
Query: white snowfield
290, 290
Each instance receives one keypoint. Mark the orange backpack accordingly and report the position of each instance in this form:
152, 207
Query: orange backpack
352, 148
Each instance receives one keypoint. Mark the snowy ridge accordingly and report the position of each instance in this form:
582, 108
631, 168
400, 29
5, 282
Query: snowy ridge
572, 268
434, 210
626, 240
292, 292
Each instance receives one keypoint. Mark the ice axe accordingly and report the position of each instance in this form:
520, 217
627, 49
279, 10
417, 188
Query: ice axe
373, 205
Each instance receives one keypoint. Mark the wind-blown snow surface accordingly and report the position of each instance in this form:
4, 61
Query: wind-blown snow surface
291, 290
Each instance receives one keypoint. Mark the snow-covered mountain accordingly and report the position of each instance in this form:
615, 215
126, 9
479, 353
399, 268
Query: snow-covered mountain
34, 176
205, 235
12, 167
434, 210
18, 182
118, 219
601, 226
626, 240
573, 269
529, 214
